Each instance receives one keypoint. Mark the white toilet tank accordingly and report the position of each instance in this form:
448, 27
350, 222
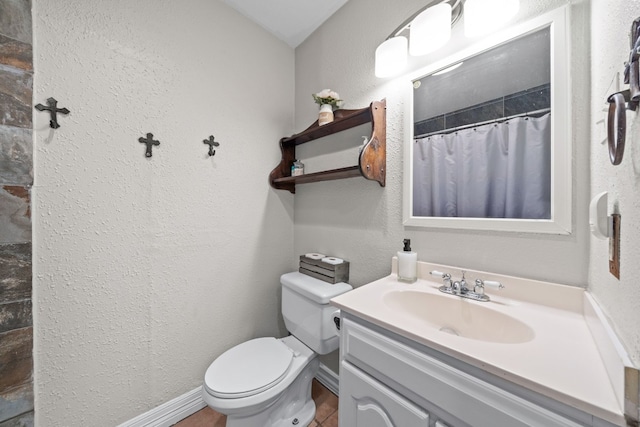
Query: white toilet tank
307, 312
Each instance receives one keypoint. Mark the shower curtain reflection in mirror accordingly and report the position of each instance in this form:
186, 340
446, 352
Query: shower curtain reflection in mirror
496, 170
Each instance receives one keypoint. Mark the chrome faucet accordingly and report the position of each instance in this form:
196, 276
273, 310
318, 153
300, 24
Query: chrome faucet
456, 289
460, 288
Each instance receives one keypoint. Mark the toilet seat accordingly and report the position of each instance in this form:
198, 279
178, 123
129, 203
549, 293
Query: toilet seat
248, 368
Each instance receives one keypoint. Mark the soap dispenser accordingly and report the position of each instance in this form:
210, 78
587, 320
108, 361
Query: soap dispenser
407, 263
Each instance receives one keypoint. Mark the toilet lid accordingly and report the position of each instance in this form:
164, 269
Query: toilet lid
248, 368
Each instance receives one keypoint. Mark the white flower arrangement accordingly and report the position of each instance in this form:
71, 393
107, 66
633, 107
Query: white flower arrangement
327, 96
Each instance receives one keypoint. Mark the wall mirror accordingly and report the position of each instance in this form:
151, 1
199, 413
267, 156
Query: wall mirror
490, 142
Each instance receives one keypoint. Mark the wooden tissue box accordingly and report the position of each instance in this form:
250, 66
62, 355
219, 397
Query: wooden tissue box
331, 273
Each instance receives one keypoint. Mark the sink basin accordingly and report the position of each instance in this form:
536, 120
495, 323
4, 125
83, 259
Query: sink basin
458, 316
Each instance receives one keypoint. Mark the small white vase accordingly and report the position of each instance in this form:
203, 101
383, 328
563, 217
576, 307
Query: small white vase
326, 114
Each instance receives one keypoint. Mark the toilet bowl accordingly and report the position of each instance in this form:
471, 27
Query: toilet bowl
278, 396
266, 382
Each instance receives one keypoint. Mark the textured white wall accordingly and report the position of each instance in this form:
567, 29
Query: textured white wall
146, 269
620, 299
358, 220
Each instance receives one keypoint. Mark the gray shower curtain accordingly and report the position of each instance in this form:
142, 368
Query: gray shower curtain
498, 170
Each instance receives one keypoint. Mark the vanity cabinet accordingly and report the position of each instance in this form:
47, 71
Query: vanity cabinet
372, 159
369, 403
388, 380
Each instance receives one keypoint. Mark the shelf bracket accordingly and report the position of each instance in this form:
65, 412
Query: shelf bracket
373, 156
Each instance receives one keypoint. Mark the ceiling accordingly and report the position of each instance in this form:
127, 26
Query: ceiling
289, 20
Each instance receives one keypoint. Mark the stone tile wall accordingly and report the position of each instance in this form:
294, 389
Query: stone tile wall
16, 178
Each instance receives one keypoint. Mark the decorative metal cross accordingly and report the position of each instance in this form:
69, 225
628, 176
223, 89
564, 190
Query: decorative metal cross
150, 143
211, 144
53, 109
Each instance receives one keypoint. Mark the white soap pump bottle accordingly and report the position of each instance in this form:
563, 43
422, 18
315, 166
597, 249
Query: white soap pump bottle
407, 263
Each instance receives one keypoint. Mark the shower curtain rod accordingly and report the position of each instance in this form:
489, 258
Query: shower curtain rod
472, 125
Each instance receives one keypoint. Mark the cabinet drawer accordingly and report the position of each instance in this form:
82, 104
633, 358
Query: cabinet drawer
364, 402
422, 377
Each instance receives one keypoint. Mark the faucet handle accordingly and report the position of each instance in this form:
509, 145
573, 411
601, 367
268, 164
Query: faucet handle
437, 273
440, 275
446, 277
493, 284
482, 283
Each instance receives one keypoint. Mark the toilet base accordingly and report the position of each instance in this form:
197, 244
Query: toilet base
294, 403
302, 418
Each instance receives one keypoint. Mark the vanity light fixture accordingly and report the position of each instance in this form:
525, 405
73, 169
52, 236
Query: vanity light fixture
430, 28
391, 56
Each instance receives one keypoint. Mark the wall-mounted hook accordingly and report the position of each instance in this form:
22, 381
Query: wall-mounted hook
54, 110
150, 143
616, 127
211, 143
624, 100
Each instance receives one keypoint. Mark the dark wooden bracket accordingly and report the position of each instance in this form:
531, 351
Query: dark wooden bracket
150, 143
373, 156
53, 110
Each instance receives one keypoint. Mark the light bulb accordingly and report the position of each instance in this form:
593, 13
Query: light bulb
430, 30
391, 57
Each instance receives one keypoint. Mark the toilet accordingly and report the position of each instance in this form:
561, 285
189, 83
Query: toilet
266, 381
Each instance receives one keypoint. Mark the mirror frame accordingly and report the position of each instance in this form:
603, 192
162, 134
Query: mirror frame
561, 138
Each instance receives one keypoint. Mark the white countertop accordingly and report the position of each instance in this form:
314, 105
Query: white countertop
562, 361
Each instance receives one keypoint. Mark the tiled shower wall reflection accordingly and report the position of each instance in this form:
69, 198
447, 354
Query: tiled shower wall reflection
16, 178
526, 101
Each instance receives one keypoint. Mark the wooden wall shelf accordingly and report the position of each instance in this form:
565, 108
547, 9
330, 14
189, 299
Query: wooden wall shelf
373, 156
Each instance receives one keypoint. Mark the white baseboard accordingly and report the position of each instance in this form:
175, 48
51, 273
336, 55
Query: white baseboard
171, 412
191, 402
328, 378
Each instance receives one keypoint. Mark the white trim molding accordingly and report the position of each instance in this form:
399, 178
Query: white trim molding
191, 402
328, 378
170, 412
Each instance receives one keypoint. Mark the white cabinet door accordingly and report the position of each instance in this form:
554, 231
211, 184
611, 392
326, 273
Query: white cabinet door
364, 402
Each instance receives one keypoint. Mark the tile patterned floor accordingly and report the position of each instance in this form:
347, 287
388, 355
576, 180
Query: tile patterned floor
326, 411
